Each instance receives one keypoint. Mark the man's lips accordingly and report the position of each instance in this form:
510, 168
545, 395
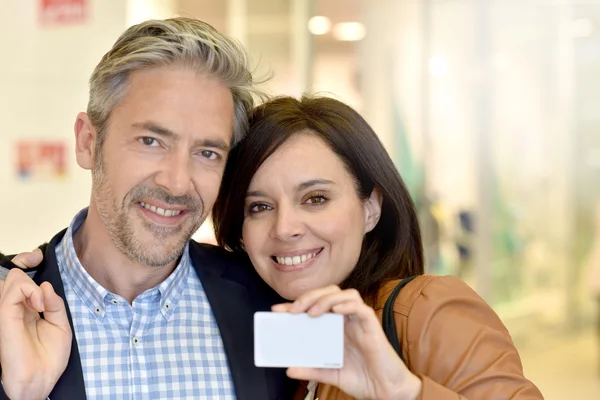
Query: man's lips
163, 211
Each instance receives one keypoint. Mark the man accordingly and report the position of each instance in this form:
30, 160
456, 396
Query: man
132, 308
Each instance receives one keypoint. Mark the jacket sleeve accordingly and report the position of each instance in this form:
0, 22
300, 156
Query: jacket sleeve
3, 395
459, 347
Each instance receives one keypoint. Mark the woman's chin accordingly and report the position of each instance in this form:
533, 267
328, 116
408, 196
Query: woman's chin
291, 291
287, 294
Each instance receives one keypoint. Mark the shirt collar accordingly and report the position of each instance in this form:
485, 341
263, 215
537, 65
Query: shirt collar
171, 288
95, 296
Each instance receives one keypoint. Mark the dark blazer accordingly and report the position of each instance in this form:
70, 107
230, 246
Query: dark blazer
234, 292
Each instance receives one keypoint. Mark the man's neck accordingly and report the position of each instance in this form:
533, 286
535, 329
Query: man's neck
111, 268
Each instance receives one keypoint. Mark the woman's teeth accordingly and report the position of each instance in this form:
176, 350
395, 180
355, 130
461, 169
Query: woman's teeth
160, 211
296, 259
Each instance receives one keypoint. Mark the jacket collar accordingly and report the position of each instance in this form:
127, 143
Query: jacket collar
235, 292
71, 384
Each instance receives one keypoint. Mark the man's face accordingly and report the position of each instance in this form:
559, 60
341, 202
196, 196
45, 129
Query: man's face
160, 167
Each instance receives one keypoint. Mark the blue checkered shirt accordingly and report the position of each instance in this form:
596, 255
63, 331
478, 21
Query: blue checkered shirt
166, 345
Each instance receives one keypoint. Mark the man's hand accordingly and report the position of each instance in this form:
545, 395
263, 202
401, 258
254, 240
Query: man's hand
28, 260
33, 351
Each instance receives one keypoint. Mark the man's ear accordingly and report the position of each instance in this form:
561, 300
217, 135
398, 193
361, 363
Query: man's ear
373, 210
85, 141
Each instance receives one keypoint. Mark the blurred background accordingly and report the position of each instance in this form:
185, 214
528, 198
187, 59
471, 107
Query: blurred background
490, 109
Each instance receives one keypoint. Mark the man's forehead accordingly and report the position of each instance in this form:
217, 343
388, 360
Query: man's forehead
178, 100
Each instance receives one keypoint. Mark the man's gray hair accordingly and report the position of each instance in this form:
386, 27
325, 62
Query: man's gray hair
162, 42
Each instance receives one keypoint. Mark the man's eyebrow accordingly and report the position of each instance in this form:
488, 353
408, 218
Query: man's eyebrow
157, 129
167, 133
214, 143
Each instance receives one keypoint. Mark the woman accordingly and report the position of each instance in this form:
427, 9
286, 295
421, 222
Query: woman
315, 200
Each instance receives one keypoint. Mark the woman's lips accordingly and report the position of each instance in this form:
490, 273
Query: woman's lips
293, 261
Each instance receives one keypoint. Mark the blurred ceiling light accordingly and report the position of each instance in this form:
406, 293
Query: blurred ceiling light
438, 66
582, 28
349, 31
319, 25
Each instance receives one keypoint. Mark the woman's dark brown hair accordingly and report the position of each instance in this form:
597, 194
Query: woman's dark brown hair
393, 249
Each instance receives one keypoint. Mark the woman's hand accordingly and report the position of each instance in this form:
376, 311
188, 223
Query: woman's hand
372, 369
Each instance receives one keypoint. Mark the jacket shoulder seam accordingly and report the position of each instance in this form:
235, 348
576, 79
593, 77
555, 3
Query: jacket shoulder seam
404, 303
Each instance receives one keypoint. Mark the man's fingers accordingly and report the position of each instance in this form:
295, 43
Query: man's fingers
55, 313
28, 260
19, 288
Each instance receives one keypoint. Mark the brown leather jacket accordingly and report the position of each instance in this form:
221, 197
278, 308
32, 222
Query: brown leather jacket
453, 341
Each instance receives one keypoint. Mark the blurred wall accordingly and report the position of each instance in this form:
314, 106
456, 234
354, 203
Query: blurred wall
43, 80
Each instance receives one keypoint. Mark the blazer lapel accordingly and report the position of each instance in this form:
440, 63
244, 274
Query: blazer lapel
233, 307
71, 384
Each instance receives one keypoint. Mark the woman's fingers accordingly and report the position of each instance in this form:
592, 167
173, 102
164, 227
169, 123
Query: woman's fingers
308, 299
305, 301
327, 301
355, 311
320, 301
284, 307
322, 375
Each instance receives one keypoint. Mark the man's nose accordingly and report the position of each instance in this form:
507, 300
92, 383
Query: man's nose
176, 174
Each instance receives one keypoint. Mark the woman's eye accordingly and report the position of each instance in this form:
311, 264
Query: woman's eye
256, 208
316, 200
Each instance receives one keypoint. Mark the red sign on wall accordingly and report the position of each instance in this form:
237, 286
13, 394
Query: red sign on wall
58, 12
44, 160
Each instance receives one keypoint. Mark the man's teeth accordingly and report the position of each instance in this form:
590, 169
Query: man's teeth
160, 211
296, 259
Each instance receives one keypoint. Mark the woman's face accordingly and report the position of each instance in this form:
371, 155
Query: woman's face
304, 221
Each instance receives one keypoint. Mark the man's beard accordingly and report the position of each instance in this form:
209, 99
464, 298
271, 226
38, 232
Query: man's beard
121, 226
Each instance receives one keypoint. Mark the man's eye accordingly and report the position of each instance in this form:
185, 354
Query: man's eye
148, 141
211, 155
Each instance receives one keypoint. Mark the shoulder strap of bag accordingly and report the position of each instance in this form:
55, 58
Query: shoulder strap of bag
388, 321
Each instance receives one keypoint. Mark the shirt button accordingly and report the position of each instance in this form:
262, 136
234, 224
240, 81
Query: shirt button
136, 341
98, 311
115, 301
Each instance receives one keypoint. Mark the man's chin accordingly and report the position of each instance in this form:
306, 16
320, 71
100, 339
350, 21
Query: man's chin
157, 256
156, 251
158, 245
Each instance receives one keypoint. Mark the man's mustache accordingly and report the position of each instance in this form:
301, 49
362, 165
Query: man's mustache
190, 202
